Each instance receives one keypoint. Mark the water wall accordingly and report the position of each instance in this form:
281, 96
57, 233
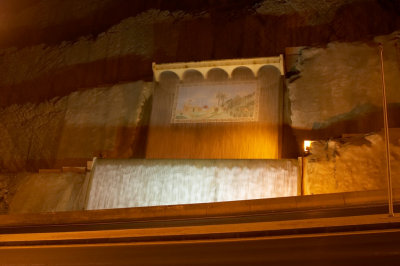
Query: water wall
137, 183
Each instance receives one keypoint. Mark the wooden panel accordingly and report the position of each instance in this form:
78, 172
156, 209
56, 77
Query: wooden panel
217, 140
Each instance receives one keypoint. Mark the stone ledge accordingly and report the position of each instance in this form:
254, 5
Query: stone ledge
366, 224
203, 210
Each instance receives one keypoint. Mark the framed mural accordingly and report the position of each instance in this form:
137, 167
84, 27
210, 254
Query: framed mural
216, 102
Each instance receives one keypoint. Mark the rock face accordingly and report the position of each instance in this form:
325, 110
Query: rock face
69, 69
30, 133
52, 48
338, 89
331, 91
107, 121
47, 192
335, 80
352, 164
4, 193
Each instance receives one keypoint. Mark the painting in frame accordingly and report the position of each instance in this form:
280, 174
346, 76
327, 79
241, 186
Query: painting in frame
216, 102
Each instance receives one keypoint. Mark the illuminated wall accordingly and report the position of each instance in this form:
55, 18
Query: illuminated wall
135, 183
354, 163
233, 130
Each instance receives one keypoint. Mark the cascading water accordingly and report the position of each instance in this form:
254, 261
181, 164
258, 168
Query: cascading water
137, 183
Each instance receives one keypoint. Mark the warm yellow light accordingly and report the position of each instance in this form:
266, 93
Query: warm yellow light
307, 145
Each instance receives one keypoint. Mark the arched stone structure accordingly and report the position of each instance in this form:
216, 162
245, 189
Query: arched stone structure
217, 74
225, 109
254, 64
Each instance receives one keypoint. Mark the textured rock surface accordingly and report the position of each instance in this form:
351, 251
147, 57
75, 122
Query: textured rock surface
30, 134
47, 192
52, 48
341, 77
103, 122
338, 89
4, 193
353, 164
313, 12
73, 129
58, 70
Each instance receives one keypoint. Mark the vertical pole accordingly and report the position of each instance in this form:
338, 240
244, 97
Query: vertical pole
386, 130
302, 175
300, 178
89, 184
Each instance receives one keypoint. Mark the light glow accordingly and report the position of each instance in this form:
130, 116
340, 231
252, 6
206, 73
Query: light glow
307, 145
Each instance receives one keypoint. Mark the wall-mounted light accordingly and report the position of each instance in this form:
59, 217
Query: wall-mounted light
306, 151
307, 146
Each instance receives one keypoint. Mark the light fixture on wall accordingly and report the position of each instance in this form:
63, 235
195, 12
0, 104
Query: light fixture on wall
307, 146
306, 151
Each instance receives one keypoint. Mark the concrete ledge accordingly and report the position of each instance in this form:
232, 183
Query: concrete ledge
73, 169
204, 210
291, 228
45, 171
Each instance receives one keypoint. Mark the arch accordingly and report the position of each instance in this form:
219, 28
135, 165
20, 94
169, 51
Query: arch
217, 73
270, 69
242, 72
168, 74
269, 78
192, 75
229, 66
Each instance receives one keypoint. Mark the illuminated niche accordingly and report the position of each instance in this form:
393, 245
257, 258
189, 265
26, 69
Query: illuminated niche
222, 109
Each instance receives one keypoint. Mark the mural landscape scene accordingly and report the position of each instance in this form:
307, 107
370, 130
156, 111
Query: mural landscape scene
224, 102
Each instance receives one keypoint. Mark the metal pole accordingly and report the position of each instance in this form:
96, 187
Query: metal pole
386, 130
302, 176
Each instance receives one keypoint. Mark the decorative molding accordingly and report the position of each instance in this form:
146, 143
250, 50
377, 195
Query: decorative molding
254, 64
